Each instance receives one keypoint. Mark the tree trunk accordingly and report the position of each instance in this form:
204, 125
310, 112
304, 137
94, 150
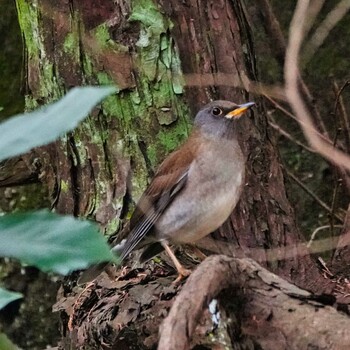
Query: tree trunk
223, 49
167, 59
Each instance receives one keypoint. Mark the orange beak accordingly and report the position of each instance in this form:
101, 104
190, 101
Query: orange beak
241, 109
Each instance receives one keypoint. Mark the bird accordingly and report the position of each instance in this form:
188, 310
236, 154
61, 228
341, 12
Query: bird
192, 193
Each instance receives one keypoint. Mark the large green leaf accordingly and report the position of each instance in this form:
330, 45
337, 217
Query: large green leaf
52, 242
6, 297
21, 133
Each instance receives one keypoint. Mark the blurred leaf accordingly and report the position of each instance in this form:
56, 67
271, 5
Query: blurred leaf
21, 133
6, 343
6, 297
52, 242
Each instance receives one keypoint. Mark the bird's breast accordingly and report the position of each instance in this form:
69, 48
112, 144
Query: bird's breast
212, 191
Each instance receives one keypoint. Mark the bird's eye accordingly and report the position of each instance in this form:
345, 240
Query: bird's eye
216, 111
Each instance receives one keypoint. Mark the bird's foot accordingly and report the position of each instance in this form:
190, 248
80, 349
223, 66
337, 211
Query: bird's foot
182, 274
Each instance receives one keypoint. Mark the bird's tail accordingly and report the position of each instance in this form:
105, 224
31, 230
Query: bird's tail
92, 272
95, 270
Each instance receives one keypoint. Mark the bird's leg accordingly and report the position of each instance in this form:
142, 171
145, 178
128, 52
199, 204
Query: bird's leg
183, 272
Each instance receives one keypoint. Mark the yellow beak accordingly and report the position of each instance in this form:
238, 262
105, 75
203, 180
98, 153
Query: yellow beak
241, 109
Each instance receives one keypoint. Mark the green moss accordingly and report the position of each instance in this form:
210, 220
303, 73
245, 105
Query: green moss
112, 106
146, 12
105, 41
140, 175
28, 15
28, 21
80, 156
102, 35
71, 43
150, 114
112, 226
64, 186
152, 155
178, 80
170, 138
88, 66
104, 79
153, 25
162, 92
159, 84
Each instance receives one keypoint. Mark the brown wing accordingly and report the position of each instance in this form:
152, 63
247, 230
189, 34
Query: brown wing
169, 180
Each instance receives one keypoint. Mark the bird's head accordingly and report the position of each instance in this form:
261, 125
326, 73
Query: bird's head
219, 117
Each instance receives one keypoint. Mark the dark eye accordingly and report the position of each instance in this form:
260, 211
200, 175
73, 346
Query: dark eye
216, 111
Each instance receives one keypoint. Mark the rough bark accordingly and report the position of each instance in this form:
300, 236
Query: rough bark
25, 194
254, 309
340, 265
11, 97
138, 45
88, 172
264, 218
275, 314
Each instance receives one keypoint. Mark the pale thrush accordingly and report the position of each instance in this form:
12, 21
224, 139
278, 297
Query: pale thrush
193, 191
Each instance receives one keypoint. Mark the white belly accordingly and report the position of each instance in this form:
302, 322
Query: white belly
212, 191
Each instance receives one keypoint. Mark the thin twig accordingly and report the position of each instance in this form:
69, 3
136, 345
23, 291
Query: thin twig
230, 79
273, 29
290, 137
334, 197
319, 201
343, 115
289, 251
339, 92
278, 42
343, 243
289, 114
321, 33
314, 9
313, 236
344, 127
316, 116
281, 108
294, 97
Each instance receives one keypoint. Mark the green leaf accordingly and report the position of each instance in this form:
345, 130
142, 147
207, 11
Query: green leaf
52, 242
6, 343
6, 297
25, 131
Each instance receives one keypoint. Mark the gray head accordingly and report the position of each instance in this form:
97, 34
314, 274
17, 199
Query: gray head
219, 118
